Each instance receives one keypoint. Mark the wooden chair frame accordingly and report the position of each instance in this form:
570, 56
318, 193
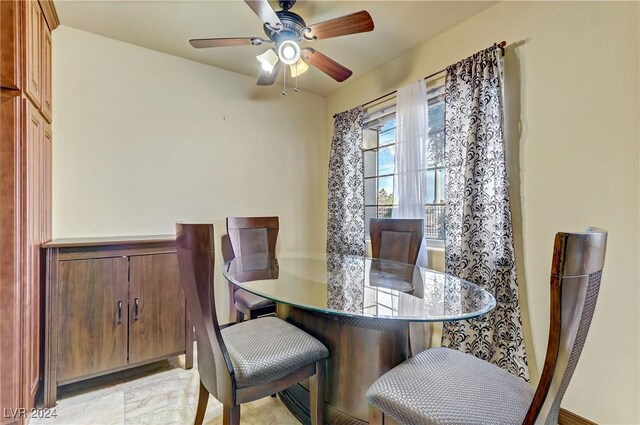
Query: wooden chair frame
413, 226
232, 239
195, 246
576, 257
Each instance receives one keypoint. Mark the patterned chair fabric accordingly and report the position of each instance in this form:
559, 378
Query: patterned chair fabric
267, 349
396, 239
444, 386
253, 241
394, 246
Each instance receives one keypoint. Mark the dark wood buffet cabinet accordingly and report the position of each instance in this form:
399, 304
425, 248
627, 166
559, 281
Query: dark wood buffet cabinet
111, 304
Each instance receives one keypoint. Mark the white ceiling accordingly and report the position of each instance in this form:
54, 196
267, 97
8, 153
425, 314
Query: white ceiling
167, 26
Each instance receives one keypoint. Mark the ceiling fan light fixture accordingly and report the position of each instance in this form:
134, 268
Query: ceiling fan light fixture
298, 68
289, 52
268, 60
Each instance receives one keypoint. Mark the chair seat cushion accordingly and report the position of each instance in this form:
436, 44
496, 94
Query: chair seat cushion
266, 349
444, 386
251, 301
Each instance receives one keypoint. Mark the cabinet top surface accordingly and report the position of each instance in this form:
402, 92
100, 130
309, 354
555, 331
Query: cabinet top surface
108, 240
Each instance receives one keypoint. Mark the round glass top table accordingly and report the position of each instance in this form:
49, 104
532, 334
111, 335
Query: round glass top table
363, 309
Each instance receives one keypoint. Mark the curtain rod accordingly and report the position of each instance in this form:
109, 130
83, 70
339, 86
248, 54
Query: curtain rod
501, 45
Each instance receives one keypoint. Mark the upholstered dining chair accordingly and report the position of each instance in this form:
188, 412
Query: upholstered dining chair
245, 361
444, 386
244, 302
246, 236
396, 239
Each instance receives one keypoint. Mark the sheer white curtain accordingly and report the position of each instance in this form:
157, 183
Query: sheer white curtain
412, 133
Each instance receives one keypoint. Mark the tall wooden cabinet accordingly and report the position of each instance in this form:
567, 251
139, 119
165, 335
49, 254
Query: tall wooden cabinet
25, 195
111, 304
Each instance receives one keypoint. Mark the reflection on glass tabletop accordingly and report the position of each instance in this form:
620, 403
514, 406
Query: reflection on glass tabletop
355, 286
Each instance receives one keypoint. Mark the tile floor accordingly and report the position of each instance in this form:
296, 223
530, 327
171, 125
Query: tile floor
159, 394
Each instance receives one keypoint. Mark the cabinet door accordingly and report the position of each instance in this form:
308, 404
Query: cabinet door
92, 316
33, 51
9, 45
46, 179
46, 71
32, 198
10, 282
157, 307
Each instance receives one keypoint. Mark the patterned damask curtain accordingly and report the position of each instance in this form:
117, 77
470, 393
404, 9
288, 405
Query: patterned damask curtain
345, 222
479, 240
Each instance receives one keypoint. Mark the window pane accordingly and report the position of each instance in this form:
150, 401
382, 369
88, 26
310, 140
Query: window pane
385, 212
388, 125
440, 188
436, 118
370, 138
387, 137
386, 158
370, 163
370, 191
431, 186
435, 149
385, 190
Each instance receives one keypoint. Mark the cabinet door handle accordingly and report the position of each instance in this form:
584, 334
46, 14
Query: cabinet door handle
119, 312
135, 308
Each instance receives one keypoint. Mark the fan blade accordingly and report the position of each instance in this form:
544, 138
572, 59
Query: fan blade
263, 9
268, 78
344, 25
201, 43
325, 64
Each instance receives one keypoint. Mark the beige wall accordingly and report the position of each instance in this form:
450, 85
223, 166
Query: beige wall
143, 139
572, 139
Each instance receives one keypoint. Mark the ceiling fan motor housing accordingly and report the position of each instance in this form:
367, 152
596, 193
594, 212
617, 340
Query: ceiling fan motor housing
292, 27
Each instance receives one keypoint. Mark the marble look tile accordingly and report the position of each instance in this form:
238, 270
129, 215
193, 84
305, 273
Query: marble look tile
269, 411
191, 385
273, 416
214, 411
107, 409
155, 395
160, 394
169, 414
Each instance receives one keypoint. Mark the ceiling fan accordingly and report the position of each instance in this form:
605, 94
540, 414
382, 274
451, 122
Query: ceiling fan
287, 29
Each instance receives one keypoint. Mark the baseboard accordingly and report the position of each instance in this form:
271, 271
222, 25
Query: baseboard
568, 418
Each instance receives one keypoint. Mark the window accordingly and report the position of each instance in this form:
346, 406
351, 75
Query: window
379, 140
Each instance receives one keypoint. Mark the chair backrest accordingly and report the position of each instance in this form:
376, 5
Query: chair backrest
396, 239
253, 235
227, 249
576, 271
195, 246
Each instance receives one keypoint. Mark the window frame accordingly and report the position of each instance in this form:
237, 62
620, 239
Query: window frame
380, 118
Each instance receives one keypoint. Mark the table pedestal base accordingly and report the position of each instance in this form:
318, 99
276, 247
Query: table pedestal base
361, 350
296, 399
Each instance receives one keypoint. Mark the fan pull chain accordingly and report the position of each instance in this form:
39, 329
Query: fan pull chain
295, 89
284, 89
